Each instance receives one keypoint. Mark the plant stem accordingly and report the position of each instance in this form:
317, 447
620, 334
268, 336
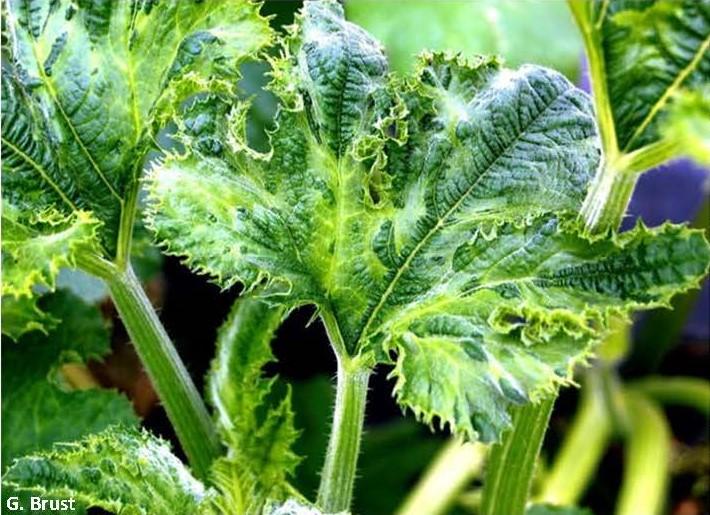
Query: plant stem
512, 462
647, 459
582, 12
607, 198
338, 476
581, 450
613, 396
691, 392
183, 404
454, 467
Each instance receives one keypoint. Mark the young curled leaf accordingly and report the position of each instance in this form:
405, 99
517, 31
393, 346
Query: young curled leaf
255, 423
433, 215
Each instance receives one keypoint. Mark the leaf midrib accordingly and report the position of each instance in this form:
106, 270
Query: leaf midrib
441, 220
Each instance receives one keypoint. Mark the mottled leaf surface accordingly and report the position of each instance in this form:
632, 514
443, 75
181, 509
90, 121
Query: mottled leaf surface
39, 407
256, 423
89, 81
120, 470
433, 215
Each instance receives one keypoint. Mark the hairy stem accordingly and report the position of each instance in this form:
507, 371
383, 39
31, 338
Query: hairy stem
582, 12
607, 198
512, 462
582, 449
177, 392
454, 467
338, 476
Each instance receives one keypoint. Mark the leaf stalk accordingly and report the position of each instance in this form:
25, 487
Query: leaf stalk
511, 465
647, 458
338, 476
582, 448
177, 392
456, 465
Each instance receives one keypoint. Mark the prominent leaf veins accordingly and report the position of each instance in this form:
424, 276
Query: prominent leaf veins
86, 87
433, 216
647, 57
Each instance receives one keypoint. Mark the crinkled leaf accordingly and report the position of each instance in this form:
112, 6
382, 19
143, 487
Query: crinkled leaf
500, 27
37, 408
85, 87
34, 249
433, 215
121, 470
652, 54
22, 315
256, 426
91, 82
530, 302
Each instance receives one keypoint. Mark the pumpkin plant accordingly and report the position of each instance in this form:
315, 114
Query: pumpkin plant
432, 219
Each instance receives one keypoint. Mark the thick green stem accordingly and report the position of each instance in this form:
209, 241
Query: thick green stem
456, 465
177, 392
607, 199
512, 462
338, 476
582, 449
647, 459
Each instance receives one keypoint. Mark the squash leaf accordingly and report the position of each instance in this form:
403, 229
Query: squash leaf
120, 470
38, 407
434, 216
255, 424
85, 87
647, 60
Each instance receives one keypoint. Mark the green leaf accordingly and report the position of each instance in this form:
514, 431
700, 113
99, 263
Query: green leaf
646, 57
120, 470
35, 247
87, 86
432, 215
689, 121
256, 425
38, 407
500, 27
22, 315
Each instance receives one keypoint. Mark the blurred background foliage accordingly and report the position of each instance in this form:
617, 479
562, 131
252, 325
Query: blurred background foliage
396, 451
